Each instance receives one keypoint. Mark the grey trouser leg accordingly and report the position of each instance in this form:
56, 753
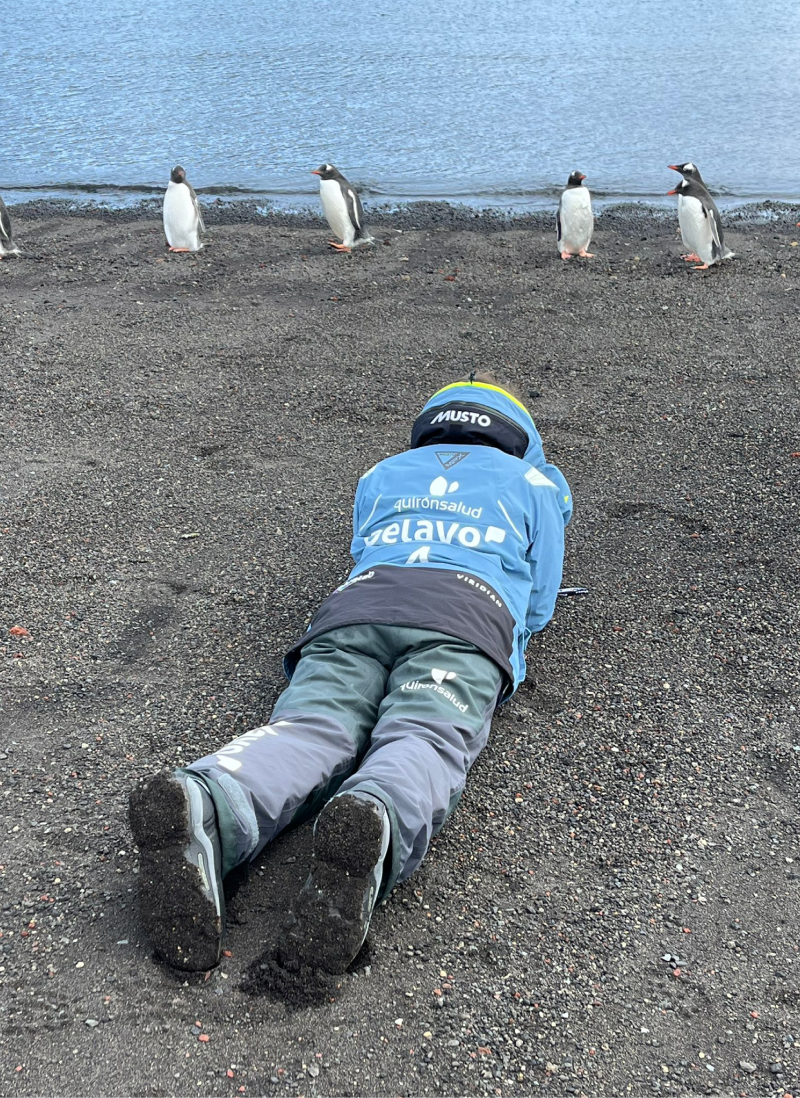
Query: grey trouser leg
418, 703
284, 771
432, 724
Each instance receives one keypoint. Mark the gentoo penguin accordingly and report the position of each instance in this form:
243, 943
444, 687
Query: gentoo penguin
183, 221
7, 245
575, 220
342, 208
701, 227
690, 172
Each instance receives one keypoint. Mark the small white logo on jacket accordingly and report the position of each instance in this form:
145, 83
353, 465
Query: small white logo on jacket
440, 487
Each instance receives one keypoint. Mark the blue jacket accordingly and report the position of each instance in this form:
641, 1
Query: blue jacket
472, 509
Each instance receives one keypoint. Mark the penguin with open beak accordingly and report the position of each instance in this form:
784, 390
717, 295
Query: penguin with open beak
7, 245
575, 220
183, 221
342, 208
701, 225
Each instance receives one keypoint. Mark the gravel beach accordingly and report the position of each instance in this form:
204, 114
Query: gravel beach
615, 907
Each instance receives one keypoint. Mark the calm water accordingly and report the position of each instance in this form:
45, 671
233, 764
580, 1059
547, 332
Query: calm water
480, 100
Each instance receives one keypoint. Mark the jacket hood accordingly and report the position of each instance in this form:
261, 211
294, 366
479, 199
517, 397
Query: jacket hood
462, 413
493, 398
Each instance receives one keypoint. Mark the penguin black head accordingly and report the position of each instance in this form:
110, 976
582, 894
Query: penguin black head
177, 175
686, 186
327, 171
575, 179
688, 171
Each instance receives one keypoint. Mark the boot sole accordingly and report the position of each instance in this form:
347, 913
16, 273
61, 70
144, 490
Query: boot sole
180, 899
332, 913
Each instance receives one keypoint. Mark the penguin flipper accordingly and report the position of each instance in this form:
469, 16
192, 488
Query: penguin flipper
201, 225
355, 212
717, 235
5, 223
558, 224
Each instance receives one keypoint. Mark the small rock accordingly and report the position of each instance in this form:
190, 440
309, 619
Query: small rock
92, 1022
313, 1070
776, 1068
748, 1066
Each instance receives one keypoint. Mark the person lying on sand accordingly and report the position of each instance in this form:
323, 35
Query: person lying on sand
458, 545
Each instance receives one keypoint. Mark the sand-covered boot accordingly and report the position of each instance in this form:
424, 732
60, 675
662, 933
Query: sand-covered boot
332, 914
181, 900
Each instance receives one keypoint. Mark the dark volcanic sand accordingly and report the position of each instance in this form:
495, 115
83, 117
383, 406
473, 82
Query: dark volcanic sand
183, 439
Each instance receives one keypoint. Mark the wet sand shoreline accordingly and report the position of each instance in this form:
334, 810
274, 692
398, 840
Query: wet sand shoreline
429, 213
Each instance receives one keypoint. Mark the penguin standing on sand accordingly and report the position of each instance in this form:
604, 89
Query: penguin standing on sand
183, 221
691, 173
342, 208
575, 220
701, 226
7, 245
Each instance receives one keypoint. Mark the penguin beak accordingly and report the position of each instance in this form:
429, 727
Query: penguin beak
673, 192
583, 176
315, 173
674, 167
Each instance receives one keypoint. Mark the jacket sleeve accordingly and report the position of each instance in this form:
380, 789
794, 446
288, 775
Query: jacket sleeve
361, 508
545, 556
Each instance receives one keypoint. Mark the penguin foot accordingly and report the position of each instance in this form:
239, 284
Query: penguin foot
704, 267
566, 255
586, 255
179, 249
691, 257
339, 247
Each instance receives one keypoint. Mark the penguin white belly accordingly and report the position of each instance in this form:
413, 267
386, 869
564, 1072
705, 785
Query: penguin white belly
577, 220
181, 223
683, 220
335, 209
696, 229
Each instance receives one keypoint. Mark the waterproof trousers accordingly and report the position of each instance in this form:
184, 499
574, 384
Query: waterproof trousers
396, 712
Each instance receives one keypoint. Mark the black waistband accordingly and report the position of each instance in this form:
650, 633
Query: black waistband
441, 599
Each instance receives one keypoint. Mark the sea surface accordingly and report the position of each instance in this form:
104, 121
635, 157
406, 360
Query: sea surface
486, 102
